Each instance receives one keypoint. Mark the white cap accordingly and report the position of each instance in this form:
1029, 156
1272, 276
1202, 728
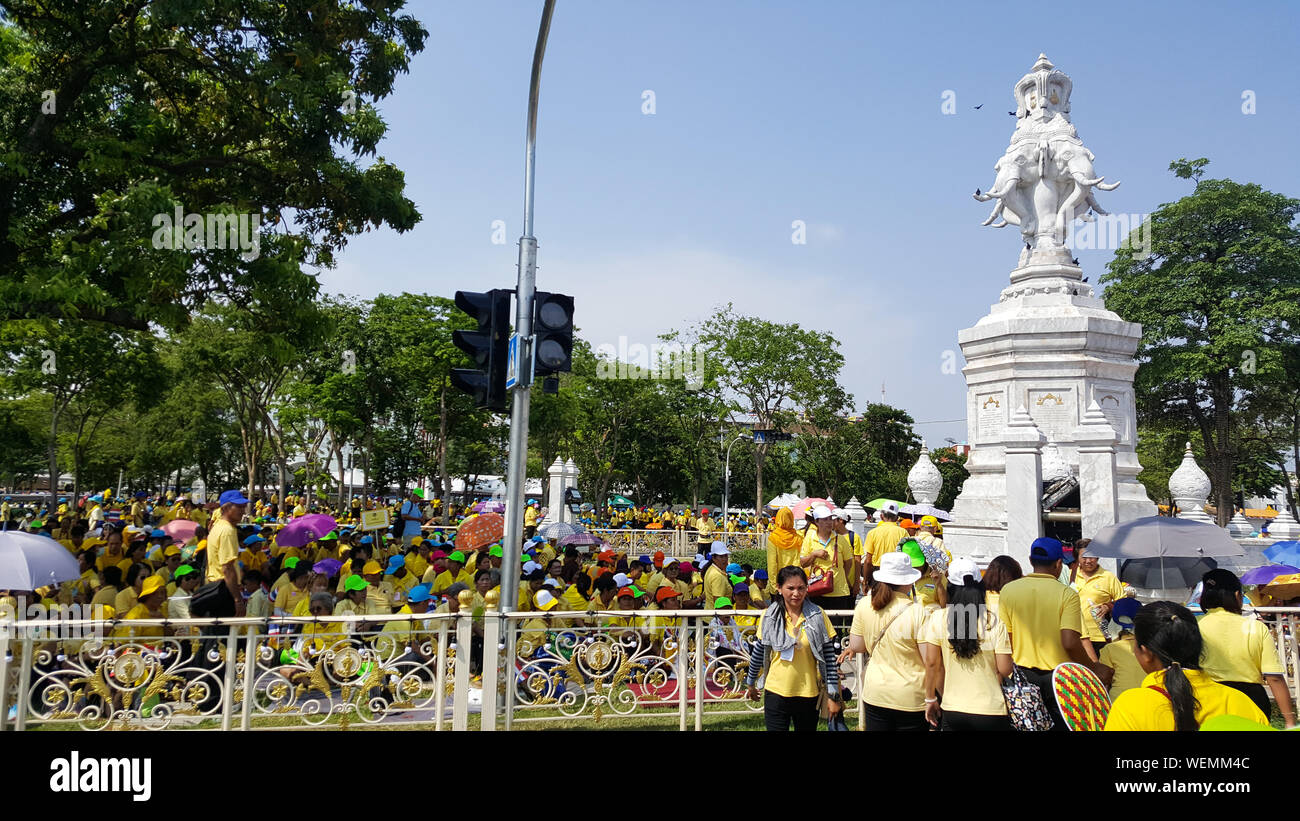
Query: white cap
551, 583
820, 512
671, 560
529, 567
720, 549
841, 514
896, 568
621, 579
699, 558
889, 507
960, 569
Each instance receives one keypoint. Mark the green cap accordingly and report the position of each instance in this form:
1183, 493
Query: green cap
457, 556
912, 549
495, 550
183, 570
735, 580
355, 582
721, 602
419, 493
636, 591
291, 562
329, 537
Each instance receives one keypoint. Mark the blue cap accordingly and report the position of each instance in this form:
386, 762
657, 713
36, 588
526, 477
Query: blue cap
740, 587
760, 573
158, 534
393, 564
97, 498
367, 539
1046, 549
232, 497
254, 539
419, 593
1123, 611
644, 558
733, 568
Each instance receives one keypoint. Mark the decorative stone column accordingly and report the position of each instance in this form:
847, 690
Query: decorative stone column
1098, 486
1239, 527
1189, 487
857, 517
1284, 525
1022, 442
924, 479
555, 492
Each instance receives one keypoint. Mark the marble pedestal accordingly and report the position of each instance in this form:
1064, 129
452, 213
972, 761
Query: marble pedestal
1051, 346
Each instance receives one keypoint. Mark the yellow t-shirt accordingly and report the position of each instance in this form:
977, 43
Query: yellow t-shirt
530, 516
716, 584
882, 539
1035, 609
125, 600
896, 673
927, 590
837, 548
1237, 648
1128, 673
799, 677
1100, 588
1144, 708
223, 548
971, 685
444, 580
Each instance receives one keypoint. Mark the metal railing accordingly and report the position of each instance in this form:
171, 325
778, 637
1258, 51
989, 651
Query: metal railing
345, 672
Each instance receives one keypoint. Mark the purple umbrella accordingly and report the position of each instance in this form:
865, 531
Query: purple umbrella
581, 538
490, 506
305, 529
1267, 573
327, 567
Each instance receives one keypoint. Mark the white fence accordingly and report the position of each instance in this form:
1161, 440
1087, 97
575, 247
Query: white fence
561, 669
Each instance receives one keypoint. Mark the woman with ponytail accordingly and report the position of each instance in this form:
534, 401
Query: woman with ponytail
1176, 694
967, 653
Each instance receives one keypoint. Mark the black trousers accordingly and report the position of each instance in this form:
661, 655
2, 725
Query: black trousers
1043, 680
1256, 691
779, 711
972, 722
883, 719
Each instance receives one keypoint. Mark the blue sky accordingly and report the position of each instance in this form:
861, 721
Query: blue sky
826, 112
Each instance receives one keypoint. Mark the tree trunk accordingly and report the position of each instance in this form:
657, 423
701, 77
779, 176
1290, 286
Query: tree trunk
54, 456
444, 481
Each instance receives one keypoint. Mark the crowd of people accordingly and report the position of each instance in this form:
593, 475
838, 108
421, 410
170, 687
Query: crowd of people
943, 639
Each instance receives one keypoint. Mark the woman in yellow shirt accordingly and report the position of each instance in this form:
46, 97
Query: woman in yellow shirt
886, 625
967, 653
1176, 694
795, 635
1121, 654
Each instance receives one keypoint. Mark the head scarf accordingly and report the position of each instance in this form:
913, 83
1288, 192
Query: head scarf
783, 534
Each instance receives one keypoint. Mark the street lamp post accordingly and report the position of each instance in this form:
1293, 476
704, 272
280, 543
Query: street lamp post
516, 470
726, 477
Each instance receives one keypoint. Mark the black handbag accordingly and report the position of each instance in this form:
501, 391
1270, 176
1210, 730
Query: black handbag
212, 600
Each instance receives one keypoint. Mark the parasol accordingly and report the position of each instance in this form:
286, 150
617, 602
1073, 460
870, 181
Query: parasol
479, 530
305, 529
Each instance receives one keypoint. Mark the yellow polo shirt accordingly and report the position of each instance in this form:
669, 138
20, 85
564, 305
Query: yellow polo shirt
971, 685
223, 548
1100, 588
1120, 656
444, 580
1237, 648
799, 677
881, 539
1035, 609
896, 673
1144, 708
716, 584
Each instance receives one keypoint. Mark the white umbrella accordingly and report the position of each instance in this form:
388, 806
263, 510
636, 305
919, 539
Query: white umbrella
785, 500
919, 510
28, 561
559, 530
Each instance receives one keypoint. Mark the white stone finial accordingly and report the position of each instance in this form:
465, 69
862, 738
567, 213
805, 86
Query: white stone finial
924, 479
1055, 468
1189, 487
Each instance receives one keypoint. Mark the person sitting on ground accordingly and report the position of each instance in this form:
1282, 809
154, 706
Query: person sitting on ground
1176, 694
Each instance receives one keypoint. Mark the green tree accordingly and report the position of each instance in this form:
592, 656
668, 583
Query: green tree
114, 114
1219, 302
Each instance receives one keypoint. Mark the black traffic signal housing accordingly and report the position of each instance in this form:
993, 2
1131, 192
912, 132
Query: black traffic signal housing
487, 347
552, 333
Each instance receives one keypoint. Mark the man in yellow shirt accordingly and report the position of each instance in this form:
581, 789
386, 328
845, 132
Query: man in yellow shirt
454, 573
704, 528
716, 582
880, 540
1098, 591
223, 555
1044, 620
530, 520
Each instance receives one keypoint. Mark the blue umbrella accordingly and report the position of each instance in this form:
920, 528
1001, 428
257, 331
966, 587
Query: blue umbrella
1284, 553
1267, 573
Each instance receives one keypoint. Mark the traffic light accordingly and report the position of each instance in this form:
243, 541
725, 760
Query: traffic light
552, 333
487, 346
